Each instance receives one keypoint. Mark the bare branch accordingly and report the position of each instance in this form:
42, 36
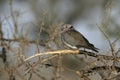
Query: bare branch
82, 75
13, 18
107, 38
58, 52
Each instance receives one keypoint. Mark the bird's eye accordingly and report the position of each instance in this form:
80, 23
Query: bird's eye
71, 27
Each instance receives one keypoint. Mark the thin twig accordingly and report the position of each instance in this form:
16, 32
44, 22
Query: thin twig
107, 38
40, 62
81, 75
100, 68
13, 18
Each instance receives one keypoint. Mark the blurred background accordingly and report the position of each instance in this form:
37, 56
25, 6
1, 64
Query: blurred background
41, 20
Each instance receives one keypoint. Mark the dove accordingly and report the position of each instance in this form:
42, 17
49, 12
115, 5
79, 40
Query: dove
74, 39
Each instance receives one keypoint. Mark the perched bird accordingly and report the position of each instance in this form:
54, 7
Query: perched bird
75, 39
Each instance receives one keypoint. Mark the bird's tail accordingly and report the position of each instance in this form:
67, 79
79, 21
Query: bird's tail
94, 48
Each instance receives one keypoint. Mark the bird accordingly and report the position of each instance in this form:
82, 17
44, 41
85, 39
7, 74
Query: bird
74, 39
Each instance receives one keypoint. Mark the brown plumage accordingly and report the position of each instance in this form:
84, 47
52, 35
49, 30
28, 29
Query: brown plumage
75, 39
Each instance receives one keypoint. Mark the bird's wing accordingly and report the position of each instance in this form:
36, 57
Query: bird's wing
86, 43
80, 38
75, 38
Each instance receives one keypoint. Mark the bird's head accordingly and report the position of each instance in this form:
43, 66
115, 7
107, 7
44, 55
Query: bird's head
66, 27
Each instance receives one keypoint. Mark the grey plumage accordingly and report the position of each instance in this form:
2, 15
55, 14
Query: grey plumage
75, 39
